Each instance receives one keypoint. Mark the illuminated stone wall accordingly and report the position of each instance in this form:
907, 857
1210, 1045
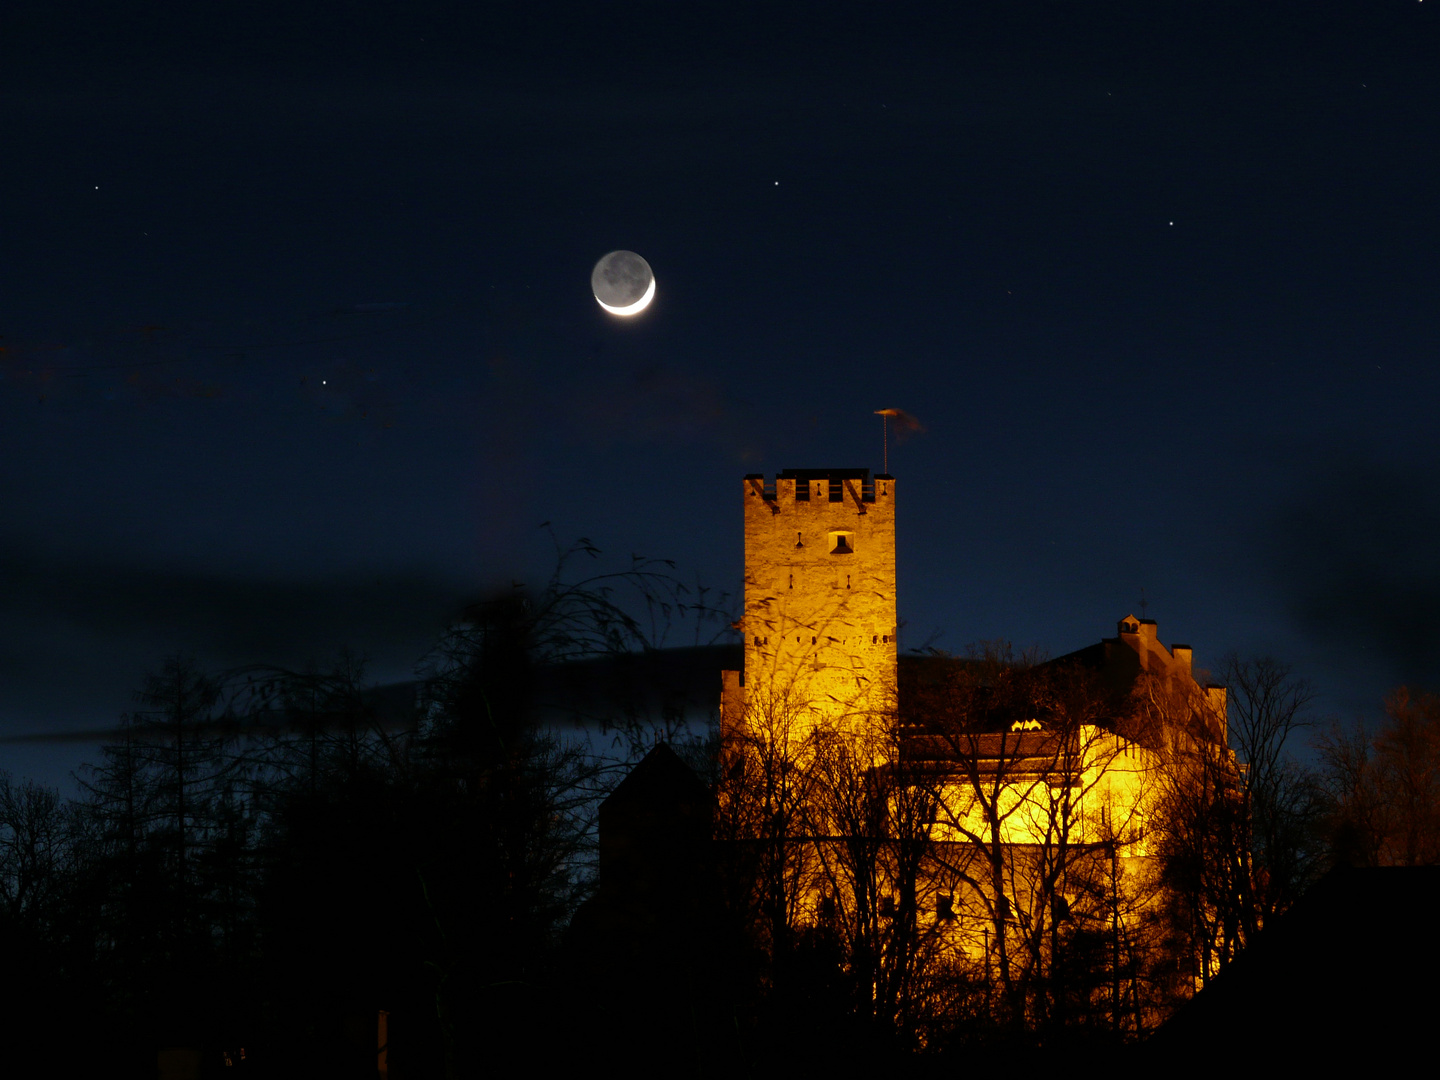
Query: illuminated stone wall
819, 618
820, 656
1091, 788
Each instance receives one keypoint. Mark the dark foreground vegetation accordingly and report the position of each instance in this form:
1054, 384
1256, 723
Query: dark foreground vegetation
281, 871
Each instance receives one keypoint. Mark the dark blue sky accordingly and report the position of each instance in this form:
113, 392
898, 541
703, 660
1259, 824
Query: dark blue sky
299, 349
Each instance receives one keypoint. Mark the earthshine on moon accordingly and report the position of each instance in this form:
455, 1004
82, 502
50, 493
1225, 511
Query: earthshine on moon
623, 283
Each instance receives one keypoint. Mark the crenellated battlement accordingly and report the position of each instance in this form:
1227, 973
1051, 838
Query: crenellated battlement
813, 488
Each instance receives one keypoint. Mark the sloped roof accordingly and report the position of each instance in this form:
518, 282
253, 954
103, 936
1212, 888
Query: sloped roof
660, 779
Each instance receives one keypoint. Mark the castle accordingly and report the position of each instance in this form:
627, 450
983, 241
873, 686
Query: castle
960, 837
1022, 795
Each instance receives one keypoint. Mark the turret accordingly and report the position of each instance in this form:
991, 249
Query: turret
820, 617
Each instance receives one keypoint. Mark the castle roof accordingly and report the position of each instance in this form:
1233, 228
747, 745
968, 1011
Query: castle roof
1135, 648
660, 781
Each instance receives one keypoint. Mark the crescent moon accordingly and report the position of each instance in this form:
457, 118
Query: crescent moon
631, 309
623, 283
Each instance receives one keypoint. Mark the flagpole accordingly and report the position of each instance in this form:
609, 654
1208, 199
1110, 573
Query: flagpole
907, 424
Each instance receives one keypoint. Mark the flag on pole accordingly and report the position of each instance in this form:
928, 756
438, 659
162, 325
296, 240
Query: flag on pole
904, 425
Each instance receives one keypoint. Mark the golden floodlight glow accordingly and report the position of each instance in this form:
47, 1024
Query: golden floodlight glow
635, 308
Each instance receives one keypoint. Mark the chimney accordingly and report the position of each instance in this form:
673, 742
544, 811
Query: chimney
1182, 655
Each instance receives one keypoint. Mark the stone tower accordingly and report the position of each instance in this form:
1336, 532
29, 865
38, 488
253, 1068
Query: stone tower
819, 617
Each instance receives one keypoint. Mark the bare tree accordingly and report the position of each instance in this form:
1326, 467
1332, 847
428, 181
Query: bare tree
1031, 800
764, 810
1268, 704
1383, 787
871, 820
37, 851
1239, 813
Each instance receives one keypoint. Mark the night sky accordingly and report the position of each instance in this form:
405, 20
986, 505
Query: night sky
299, 349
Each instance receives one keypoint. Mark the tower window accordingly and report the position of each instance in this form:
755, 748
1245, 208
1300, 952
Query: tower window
842, 543
837, 492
